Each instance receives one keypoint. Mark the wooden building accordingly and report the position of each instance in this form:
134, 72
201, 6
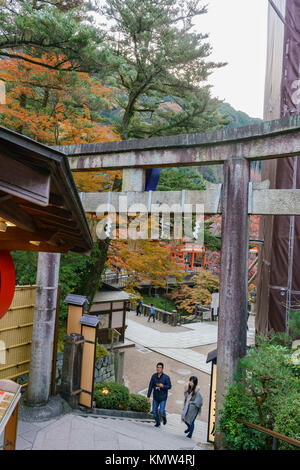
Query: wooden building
110, 305
40, 209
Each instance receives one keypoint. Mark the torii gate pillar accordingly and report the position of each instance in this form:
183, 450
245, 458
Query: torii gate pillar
133, 180
232, 325
38, 391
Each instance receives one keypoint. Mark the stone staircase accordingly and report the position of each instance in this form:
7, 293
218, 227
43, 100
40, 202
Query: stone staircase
82, 431
131, 434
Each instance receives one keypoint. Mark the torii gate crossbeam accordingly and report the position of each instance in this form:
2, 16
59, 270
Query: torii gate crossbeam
269, 140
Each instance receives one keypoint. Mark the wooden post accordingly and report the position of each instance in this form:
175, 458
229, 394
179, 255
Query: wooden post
192, 260
232, 325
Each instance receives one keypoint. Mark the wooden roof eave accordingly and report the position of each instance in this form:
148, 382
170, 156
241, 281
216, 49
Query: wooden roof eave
58, 228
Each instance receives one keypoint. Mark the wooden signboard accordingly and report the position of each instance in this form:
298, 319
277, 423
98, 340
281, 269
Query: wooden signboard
212, 357
215, 304
10, 394
212, 404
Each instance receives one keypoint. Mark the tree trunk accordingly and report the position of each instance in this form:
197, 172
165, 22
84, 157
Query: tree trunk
127, 117
91, 283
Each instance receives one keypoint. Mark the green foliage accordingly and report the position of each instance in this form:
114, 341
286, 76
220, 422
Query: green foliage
211, 242
162, 303
239, 436
139, 403
278, 338
177, 179
26, 267
263, 386
162, 73
237, 118
74, 269
38, 27
294, 324
287, 420
62, 331
101, 351
117, 397
212, 173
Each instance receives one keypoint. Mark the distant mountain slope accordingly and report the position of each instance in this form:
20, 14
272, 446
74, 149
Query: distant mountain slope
239, 118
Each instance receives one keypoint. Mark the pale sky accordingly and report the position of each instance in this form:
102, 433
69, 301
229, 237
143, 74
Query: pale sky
238, 34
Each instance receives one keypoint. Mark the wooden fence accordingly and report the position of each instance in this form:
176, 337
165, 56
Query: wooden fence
16, 335
161, 315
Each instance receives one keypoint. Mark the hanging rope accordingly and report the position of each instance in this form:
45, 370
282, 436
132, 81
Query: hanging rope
277, 11
280, 15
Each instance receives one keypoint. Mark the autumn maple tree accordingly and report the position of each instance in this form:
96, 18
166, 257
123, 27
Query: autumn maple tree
151, 262
59, 107
53, 106
187, 297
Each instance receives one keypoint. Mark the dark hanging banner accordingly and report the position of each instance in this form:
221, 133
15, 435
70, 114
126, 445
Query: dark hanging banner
152, 179
284, 288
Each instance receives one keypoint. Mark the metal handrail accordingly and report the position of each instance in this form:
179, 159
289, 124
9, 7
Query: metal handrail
276, 436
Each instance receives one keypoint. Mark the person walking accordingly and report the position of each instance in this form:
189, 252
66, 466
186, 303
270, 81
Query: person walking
139, 308
152, 313
160, 383
192, 405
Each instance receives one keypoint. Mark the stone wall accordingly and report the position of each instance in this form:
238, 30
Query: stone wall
104, 369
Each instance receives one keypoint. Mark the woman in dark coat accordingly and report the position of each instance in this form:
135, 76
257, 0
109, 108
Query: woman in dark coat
192, 405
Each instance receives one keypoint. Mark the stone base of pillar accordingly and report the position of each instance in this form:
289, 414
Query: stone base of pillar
56, 406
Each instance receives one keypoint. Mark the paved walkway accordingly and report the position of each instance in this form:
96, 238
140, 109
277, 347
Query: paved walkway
75, 431
177, 345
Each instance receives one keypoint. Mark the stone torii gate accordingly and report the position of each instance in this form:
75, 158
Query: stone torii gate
238, 198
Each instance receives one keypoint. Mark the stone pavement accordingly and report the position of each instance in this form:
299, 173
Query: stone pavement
75, 431
177, 345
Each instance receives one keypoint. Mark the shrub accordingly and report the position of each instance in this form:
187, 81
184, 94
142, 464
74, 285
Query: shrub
287, 420
101, 351
264, 382
139, 403
281, 339
239, 436
112, 396
294, 324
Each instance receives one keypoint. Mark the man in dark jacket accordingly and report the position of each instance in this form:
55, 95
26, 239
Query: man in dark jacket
160, 383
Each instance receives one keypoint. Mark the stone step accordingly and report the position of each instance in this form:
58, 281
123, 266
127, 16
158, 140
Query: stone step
168, 437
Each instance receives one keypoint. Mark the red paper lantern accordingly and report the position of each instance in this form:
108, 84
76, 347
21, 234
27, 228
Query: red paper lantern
7, 281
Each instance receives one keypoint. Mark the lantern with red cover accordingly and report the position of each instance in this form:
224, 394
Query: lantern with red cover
7, 281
